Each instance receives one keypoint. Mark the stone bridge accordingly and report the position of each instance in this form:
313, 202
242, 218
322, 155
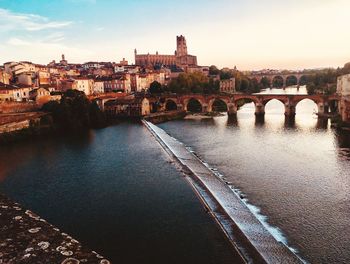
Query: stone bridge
207, 103
298, 77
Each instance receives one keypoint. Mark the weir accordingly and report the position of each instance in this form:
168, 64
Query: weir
248, 235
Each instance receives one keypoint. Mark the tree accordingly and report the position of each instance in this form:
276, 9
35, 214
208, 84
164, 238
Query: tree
265, 82
311, 88
98, 118
195, 82
155, 88
213, 70
225, 75
75, 112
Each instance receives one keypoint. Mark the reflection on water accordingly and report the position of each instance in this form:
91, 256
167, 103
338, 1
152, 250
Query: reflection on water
117, 192
295, 170
288, 90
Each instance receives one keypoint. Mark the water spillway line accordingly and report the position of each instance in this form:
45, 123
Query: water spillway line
248, 235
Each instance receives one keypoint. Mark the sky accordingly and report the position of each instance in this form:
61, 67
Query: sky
249, 34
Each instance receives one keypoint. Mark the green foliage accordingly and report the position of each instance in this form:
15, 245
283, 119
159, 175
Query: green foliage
213, 70
324, 81
265, 82
190, 83
75, 112
226, 75
311, 88
278, 82
292, 80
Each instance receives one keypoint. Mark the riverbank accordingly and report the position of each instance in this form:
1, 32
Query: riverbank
157, 118
27, 238
243, 229
200, 116
19, 126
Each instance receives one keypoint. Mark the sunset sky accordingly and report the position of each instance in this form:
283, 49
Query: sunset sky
251, 34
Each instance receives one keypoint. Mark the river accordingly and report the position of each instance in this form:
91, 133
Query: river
295, 176
117, 192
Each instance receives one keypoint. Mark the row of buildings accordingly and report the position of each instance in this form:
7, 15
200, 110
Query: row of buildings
20, 81
17, 78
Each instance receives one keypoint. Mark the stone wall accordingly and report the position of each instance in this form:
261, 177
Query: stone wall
15, 126
17, 107
27, 238
344, 109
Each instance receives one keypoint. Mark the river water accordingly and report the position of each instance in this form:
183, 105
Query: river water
117, 192
294, 175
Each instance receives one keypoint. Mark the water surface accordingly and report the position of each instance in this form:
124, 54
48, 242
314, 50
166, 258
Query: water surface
117, 192
296, 173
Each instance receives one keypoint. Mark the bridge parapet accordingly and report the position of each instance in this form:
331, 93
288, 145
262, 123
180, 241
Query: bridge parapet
231, 101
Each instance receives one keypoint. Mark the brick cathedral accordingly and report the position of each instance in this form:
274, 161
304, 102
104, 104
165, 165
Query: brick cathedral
181, 58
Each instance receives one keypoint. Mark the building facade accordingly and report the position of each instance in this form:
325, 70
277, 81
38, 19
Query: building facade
343, 89
181, 58
85, 85
16, 93
228, 86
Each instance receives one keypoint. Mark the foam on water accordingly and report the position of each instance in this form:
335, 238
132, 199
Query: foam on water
275, 231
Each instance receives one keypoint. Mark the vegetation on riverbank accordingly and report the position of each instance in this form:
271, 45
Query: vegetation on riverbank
75, 112
324, 81
319, 81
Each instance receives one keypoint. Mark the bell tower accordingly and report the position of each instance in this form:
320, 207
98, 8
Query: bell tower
181, 47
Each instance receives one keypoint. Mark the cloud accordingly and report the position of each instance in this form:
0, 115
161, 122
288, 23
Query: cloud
10, 21
99, 28
41, 50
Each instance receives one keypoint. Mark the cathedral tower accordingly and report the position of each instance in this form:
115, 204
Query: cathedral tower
181, 47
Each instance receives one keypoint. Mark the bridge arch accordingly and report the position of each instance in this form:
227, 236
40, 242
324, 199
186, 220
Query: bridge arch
218, 105
291, 80
303, 80
316, 107
278, 81
267, 100
245, 98
259, 106
194, 105
265, 81
274, 106
170, 105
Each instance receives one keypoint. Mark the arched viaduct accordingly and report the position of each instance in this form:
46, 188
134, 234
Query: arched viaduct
231, 102
298, 77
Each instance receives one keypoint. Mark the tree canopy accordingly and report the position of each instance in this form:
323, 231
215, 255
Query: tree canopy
75, 112
195, 82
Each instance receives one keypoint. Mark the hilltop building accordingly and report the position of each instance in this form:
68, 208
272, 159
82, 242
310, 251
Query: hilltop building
181, 58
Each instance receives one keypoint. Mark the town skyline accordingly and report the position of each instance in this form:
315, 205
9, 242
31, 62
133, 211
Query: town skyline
230, 32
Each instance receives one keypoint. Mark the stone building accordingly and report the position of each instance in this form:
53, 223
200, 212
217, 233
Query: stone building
181, 58
343, 89
16, 93
228, 86
128, 107
83, 84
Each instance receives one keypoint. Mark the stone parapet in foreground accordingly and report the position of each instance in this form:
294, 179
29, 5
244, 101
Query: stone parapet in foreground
27, 238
